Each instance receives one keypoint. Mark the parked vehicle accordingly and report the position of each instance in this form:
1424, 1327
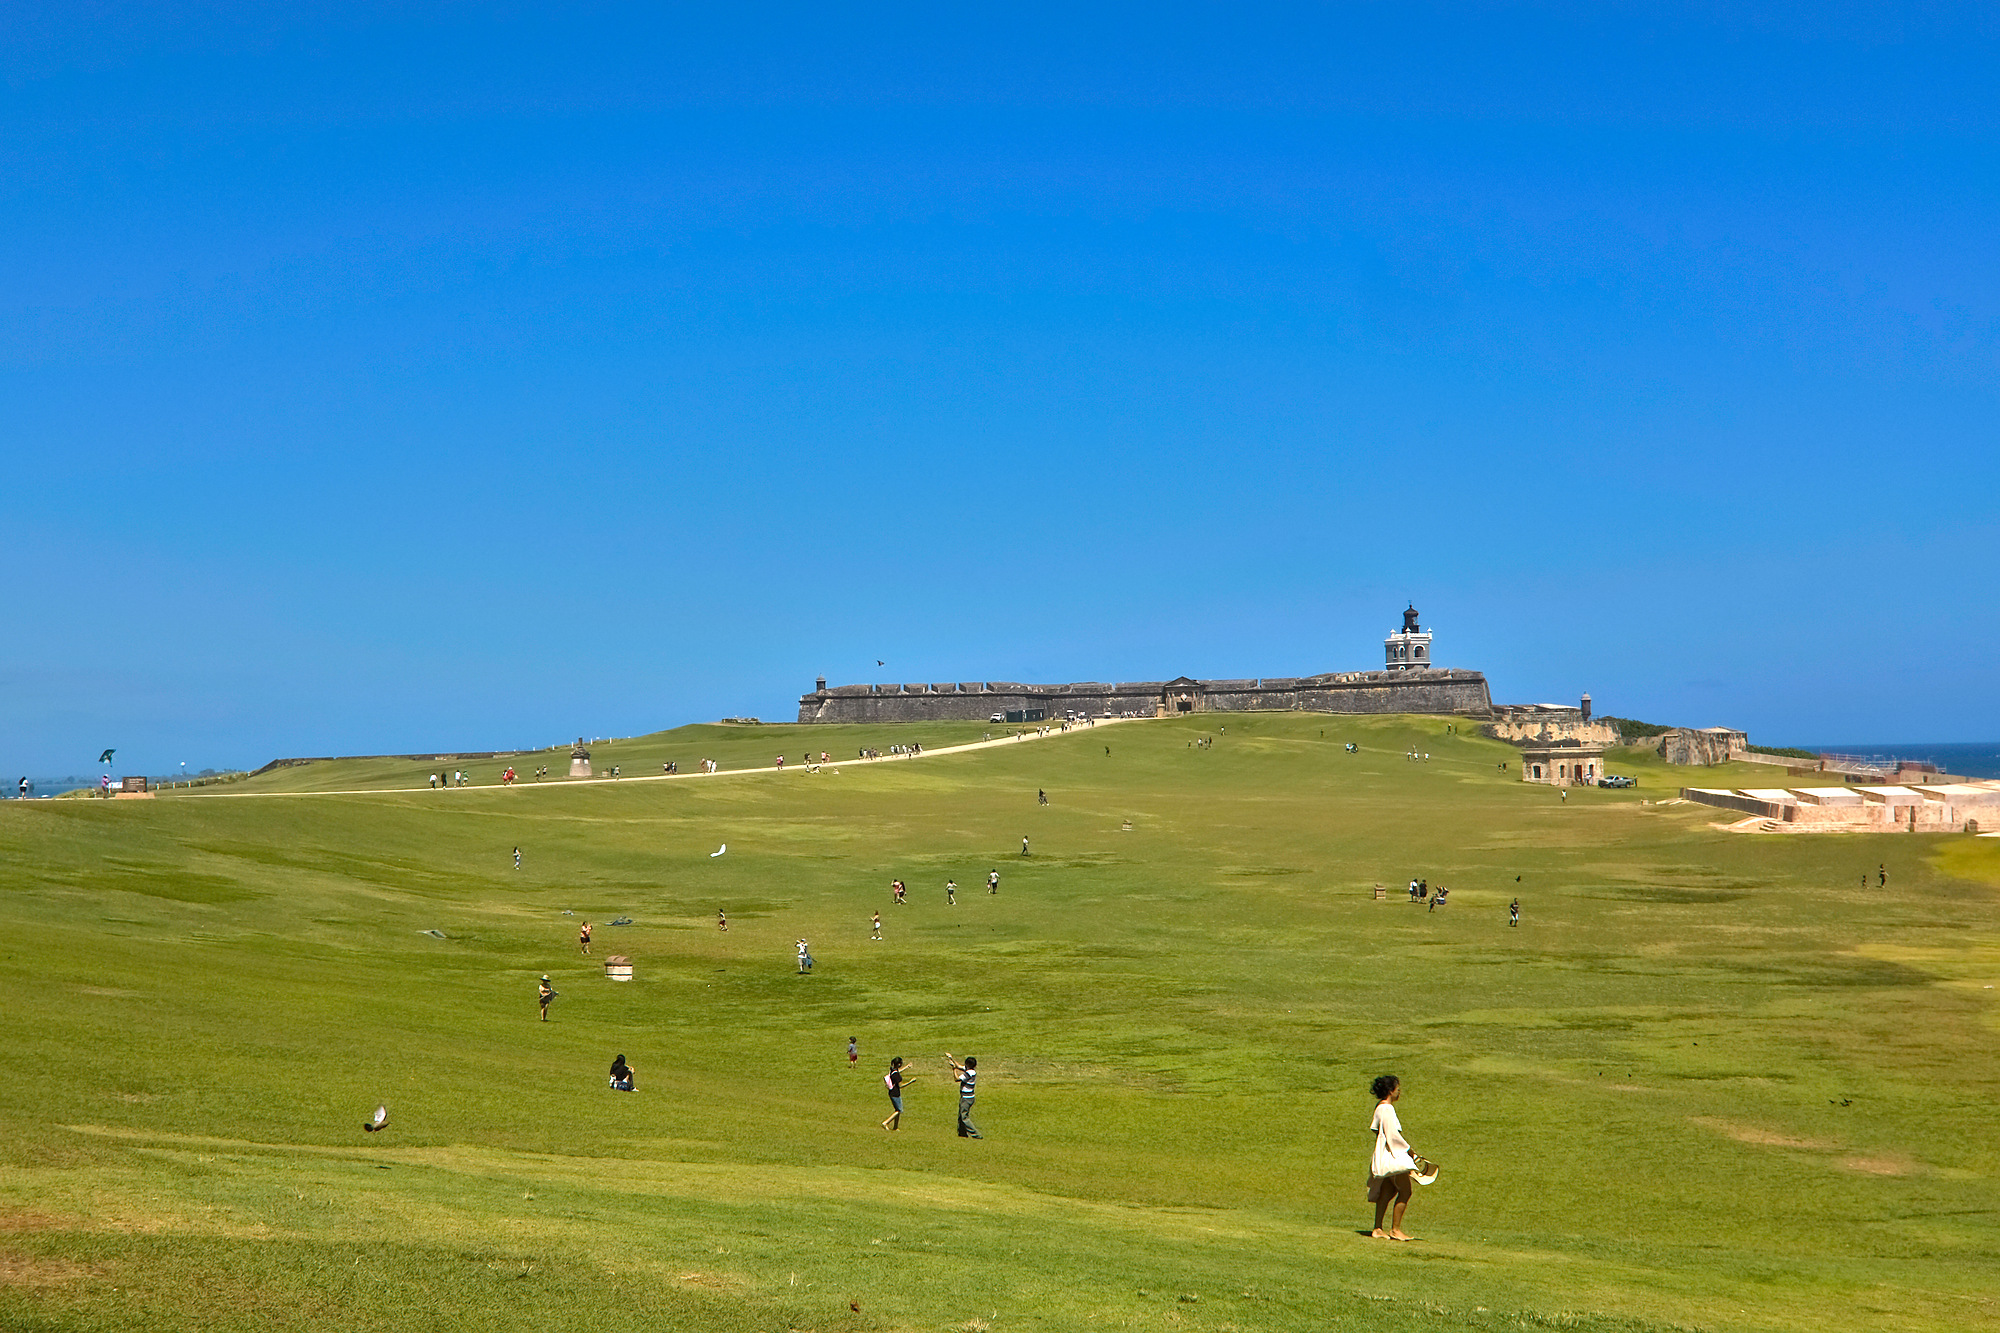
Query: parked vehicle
997, 717
1613, 780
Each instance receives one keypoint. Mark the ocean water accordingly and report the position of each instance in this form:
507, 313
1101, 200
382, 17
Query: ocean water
48, 786
1966, 759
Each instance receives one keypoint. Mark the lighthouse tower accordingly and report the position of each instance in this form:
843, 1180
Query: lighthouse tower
1409, 648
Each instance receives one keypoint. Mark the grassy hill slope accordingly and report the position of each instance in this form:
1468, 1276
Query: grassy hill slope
1709, 1081
733, 746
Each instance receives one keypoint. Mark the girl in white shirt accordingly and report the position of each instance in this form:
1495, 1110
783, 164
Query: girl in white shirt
1390, 1170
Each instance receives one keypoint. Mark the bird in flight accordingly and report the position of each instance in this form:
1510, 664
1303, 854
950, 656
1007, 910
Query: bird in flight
381, 1120
880, 662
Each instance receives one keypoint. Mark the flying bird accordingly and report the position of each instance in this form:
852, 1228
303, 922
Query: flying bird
880, 662
718, 851
381, 1120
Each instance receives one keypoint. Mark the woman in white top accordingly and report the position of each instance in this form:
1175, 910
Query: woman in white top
1390, 1170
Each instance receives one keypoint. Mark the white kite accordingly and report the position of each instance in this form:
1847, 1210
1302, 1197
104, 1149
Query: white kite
719, 851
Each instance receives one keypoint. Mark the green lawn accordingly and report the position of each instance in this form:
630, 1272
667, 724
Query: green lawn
1709, 1082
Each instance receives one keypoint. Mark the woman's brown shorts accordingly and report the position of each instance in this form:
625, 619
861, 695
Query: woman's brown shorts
1393, 1186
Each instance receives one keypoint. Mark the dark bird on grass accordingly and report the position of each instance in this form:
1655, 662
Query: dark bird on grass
854, 1306
381, 1120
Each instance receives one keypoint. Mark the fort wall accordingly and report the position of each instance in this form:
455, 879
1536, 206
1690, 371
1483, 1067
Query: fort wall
1521, 723
1433, 690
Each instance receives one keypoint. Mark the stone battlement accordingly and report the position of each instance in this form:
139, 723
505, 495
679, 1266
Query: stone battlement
1421, 690
1949, 808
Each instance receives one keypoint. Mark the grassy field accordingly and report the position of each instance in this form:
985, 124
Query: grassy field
1711, 1080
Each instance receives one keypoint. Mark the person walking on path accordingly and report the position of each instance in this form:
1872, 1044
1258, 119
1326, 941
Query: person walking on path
583, 937
993, 881
876, 934
853, 1054
548, 992
966, 1075
1392, 1168
1514, 912
1024, 846
893, 1081
805, 958
1882, 875
951, 893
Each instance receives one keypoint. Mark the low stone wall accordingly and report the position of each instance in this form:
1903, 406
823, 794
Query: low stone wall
1862, 810
1729, 800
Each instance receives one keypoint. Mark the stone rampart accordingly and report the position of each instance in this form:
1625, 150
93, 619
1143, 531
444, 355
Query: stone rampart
1462, 693
1548, 722
1712, 746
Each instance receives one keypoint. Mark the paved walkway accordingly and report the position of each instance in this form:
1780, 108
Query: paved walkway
558, 784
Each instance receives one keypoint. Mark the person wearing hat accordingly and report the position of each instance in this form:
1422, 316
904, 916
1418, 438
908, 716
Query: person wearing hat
1392, 1169
548, 992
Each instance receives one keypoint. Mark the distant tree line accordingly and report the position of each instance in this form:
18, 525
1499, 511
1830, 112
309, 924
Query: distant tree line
1630, 729
1786, 751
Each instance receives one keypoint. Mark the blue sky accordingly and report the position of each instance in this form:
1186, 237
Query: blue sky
381, 379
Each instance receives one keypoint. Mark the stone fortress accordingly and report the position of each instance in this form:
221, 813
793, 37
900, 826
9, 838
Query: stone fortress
1408, 683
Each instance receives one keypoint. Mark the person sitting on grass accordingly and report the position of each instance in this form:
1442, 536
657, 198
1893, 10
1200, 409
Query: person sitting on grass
621, 1074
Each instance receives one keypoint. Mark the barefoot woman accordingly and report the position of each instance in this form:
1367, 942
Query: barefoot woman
1391, 1170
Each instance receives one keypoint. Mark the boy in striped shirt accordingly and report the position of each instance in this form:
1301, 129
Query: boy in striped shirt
966, 1075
